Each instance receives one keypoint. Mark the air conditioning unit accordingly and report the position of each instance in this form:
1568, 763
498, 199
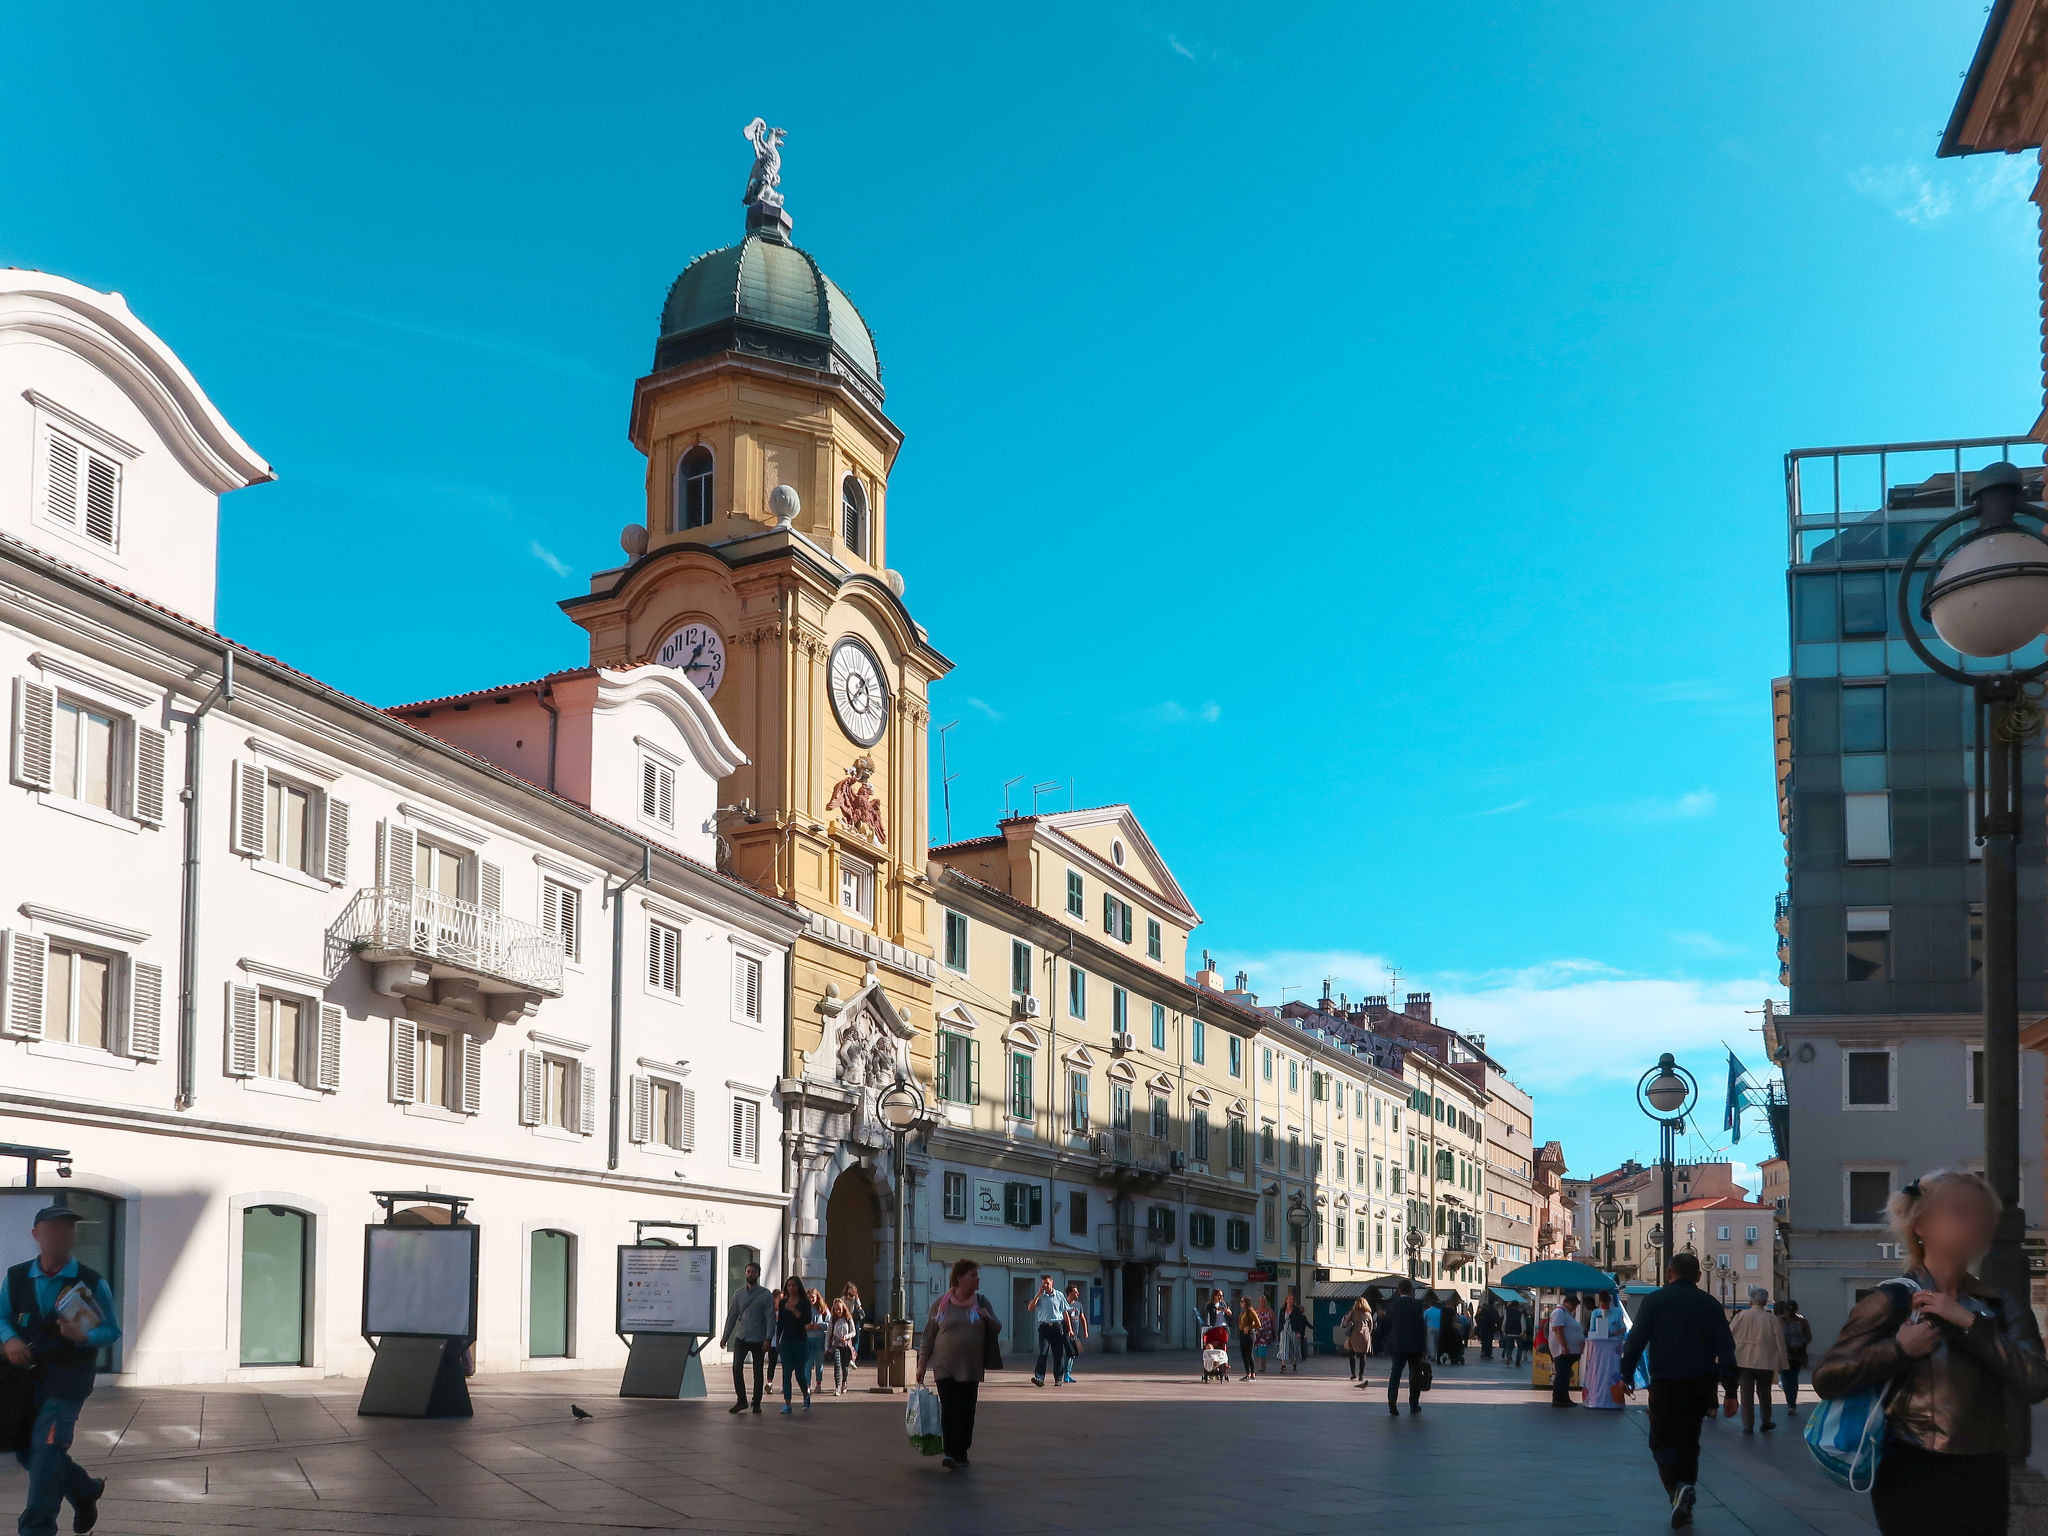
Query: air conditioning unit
1124, 1042
1025, 1007
1180, 1162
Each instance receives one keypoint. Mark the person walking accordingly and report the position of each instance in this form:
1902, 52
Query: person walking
1407, 1333
1433, 1320
842, 1339
1513, 1333
1269, 1330
749, 1321
1566, 1340
1049, 1312
817, 1336
1759, 1356
1798, 1339
957, 1336
59, 1316
1247, 1337
859, 1314
1460, 1323
793, 1340
1356, 1331
1962, 1361
1686, 1333
1077, 1329
1489, 1326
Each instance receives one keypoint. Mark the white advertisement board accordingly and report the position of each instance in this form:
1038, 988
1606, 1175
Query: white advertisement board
420, 1280
667, 1290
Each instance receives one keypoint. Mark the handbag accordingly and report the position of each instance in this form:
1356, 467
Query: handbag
1846, 1435
991, 1347
1424, 1373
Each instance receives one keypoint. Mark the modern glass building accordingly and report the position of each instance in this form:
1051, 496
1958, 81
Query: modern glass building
1881, 932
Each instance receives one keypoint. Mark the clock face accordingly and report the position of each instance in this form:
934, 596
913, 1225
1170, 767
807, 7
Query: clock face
698, 653
859, 696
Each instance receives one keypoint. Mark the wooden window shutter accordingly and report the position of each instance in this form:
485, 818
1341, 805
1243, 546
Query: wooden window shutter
145, 1012
405, 1059
146, 752
551, 909
490, 886
327, 1068
586, 1084
753, 970
334, 842
643, 1109
530, 1087
245, 829
65, 461
689, 1097
569, 904
35, 717
1109, 914
395, 846
21, 985
241, 1032
102, 500
472, 1075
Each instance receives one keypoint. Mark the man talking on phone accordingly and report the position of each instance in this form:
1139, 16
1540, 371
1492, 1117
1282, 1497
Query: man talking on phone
1690, 1345
59, 1316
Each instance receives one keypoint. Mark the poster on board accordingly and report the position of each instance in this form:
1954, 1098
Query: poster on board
420, 1280
667, 1290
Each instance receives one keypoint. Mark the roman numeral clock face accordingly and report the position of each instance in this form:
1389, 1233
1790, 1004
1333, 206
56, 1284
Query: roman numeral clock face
859, 696
697, 651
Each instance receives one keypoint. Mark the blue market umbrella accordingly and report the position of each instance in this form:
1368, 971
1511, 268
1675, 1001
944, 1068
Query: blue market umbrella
1557, 1275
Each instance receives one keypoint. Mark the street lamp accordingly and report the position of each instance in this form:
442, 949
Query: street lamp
1298, 1219
1989, 599
1654, 1240
1607, 1211
902, 1108
1666, 1093
1414, 1246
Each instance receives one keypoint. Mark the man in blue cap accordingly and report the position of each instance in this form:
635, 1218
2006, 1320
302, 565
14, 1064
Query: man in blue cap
59, 1315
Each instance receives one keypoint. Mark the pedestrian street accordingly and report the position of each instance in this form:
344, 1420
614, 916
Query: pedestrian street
1137, 1445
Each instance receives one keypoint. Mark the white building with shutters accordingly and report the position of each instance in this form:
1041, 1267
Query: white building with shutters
266, 948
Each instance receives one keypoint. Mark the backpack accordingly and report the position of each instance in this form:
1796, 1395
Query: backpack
1846, 1434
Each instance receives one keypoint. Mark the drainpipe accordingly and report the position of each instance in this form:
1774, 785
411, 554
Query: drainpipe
546, 694
188, 917
613, 896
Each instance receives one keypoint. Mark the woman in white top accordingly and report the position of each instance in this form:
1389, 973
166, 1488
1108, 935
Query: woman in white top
842, 1339
1600, 1367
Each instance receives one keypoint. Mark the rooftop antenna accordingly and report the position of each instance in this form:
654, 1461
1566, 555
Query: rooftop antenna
1050, 786
946, 779
1006, 794
1070, 794
1393, 986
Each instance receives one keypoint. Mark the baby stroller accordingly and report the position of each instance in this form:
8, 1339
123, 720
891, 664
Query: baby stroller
1216, 1354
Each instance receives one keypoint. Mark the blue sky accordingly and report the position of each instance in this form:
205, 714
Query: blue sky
1350, 434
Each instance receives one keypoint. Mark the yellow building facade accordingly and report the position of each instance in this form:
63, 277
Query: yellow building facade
760, 571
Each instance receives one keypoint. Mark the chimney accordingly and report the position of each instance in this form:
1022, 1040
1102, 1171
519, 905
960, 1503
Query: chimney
1325, 1004
1418, 1006
1376, 1009
1208, 975
1243, 981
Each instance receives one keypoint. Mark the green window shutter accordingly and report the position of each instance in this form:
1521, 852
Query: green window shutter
974, 1071
1037, 1208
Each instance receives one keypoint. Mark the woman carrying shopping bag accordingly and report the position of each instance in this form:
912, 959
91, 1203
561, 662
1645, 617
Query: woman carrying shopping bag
958, 1337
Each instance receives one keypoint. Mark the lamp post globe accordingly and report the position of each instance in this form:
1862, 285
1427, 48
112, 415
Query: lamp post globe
900, 1105
1990, 596
1667, 1090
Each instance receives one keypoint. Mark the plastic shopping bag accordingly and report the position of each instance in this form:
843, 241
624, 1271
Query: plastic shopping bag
921, 1421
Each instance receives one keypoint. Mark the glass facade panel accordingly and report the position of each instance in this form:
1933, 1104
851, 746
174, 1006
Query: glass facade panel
1863, 719
273, 1286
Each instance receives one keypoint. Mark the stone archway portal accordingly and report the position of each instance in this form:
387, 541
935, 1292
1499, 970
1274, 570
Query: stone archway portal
852, 1231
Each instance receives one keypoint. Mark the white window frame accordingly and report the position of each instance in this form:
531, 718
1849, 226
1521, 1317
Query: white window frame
659, 777
117, 962
667, 1132
749, 965
948, 917
451, 1076
1891, 1174
554, 891
654, 969
857, 881
1891, 1055
92, 443
744, 1127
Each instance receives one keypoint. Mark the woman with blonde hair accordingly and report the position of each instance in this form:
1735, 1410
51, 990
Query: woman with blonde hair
1962, 1363
843, 1338
1356, 1331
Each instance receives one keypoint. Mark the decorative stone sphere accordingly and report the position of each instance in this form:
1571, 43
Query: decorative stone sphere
784, 504
895, 580
633, 539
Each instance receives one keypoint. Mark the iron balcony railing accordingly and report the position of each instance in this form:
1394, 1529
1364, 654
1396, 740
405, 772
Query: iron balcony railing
1130, 1149
389, 921
1131, 1240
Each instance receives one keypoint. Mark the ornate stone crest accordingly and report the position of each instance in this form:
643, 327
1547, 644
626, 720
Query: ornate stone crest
854, 798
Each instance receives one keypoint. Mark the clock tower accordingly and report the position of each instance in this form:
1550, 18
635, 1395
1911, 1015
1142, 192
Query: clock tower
761, 572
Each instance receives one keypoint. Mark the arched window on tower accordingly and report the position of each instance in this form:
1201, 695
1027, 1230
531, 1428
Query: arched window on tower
693, 489
853, 516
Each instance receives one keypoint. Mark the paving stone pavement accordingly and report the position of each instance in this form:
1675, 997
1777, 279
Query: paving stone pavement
1138, 1445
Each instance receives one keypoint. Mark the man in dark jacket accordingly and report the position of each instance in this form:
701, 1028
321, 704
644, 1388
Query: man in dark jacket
1407, 1338
1686, 1333
1489, 1326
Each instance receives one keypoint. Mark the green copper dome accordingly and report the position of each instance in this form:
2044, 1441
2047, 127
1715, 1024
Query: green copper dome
768, 298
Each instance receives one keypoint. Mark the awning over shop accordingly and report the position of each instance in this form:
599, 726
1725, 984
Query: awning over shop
1507, 1295
1337, 1290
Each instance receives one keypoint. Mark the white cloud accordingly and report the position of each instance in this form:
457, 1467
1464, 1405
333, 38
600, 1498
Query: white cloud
1569, 1025
1504, 810
1179, 47
2000, 181
1686, 807
1905, 190
548, 558
988, 711
1172, 712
